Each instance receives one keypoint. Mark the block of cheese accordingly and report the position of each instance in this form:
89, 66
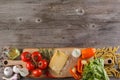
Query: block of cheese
58, 61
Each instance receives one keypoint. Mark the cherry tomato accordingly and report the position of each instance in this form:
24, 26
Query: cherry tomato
30, 66
26, 56
42, 64
37, 72
36, 56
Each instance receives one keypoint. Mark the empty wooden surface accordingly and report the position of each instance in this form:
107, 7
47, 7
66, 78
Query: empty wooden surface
59, 23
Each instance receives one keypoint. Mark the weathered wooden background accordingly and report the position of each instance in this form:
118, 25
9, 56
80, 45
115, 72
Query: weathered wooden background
59, 23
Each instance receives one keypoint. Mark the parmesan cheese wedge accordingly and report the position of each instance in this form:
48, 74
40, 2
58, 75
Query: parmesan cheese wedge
58, 61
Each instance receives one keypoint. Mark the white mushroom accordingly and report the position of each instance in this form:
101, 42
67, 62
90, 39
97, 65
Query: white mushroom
23, 72
15, 69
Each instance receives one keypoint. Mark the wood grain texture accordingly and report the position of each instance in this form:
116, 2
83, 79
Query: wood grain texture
59, 23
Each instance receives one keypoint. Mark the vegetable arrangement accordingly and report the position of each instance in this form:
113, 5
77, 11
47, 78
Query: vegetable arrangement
77, 71
34, 63
52, 63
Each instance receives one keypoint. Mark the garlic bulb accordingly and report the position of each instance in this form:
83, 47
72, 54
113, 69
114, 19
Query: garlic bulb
8, 71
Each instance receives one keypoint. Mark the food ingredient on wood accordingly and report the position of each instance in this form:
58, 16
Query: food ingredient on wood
76, 53
13, 53
23, 72
77, 70
15, 69
36, 56
14, 77
79, 66
26, 56
30, 66
8, 71
58, 61
88, 53
20, 70
42, 64
46, 53
84, 62
34, 63
75, 73
37, 73
110, 53
94, 70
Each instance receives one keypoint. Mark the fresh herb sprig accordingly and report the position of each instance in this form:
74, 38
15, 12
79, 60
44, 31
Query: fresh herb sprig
47, 53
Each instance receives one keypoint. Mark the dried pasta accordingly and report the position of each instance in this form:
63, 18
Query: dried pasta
110, 52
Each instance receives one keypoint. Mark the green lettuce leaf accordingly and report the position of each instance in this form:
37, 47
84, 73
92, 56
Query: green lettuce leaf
94, 70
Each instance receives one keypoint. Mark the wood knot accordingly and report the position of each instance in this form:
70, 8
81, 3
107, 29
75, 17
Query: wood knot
20, 19
80, 11
38, 20
92, 26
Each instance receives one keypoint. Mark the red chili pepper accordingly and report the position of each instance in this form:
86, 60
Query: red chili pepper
75, 74
79, 65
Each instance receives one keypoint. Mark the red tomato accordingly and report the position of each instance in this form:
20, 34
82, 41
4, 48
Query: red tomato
37, 72
42, 64
30, 66
36, 56
26, 56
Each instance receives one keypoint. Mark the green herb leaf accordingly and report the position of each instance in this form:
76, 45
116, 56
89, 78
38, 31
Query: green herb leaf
46, 53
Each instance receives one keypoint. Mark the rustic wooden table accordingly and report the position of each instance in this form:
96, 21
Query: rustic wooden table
59, 23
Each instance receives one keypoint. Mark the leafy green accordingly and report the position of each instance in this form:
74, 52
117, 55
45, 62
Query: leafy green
94, 70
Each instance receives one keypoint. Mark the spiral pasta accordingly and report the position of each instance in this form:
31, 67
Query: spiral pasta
111, 53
